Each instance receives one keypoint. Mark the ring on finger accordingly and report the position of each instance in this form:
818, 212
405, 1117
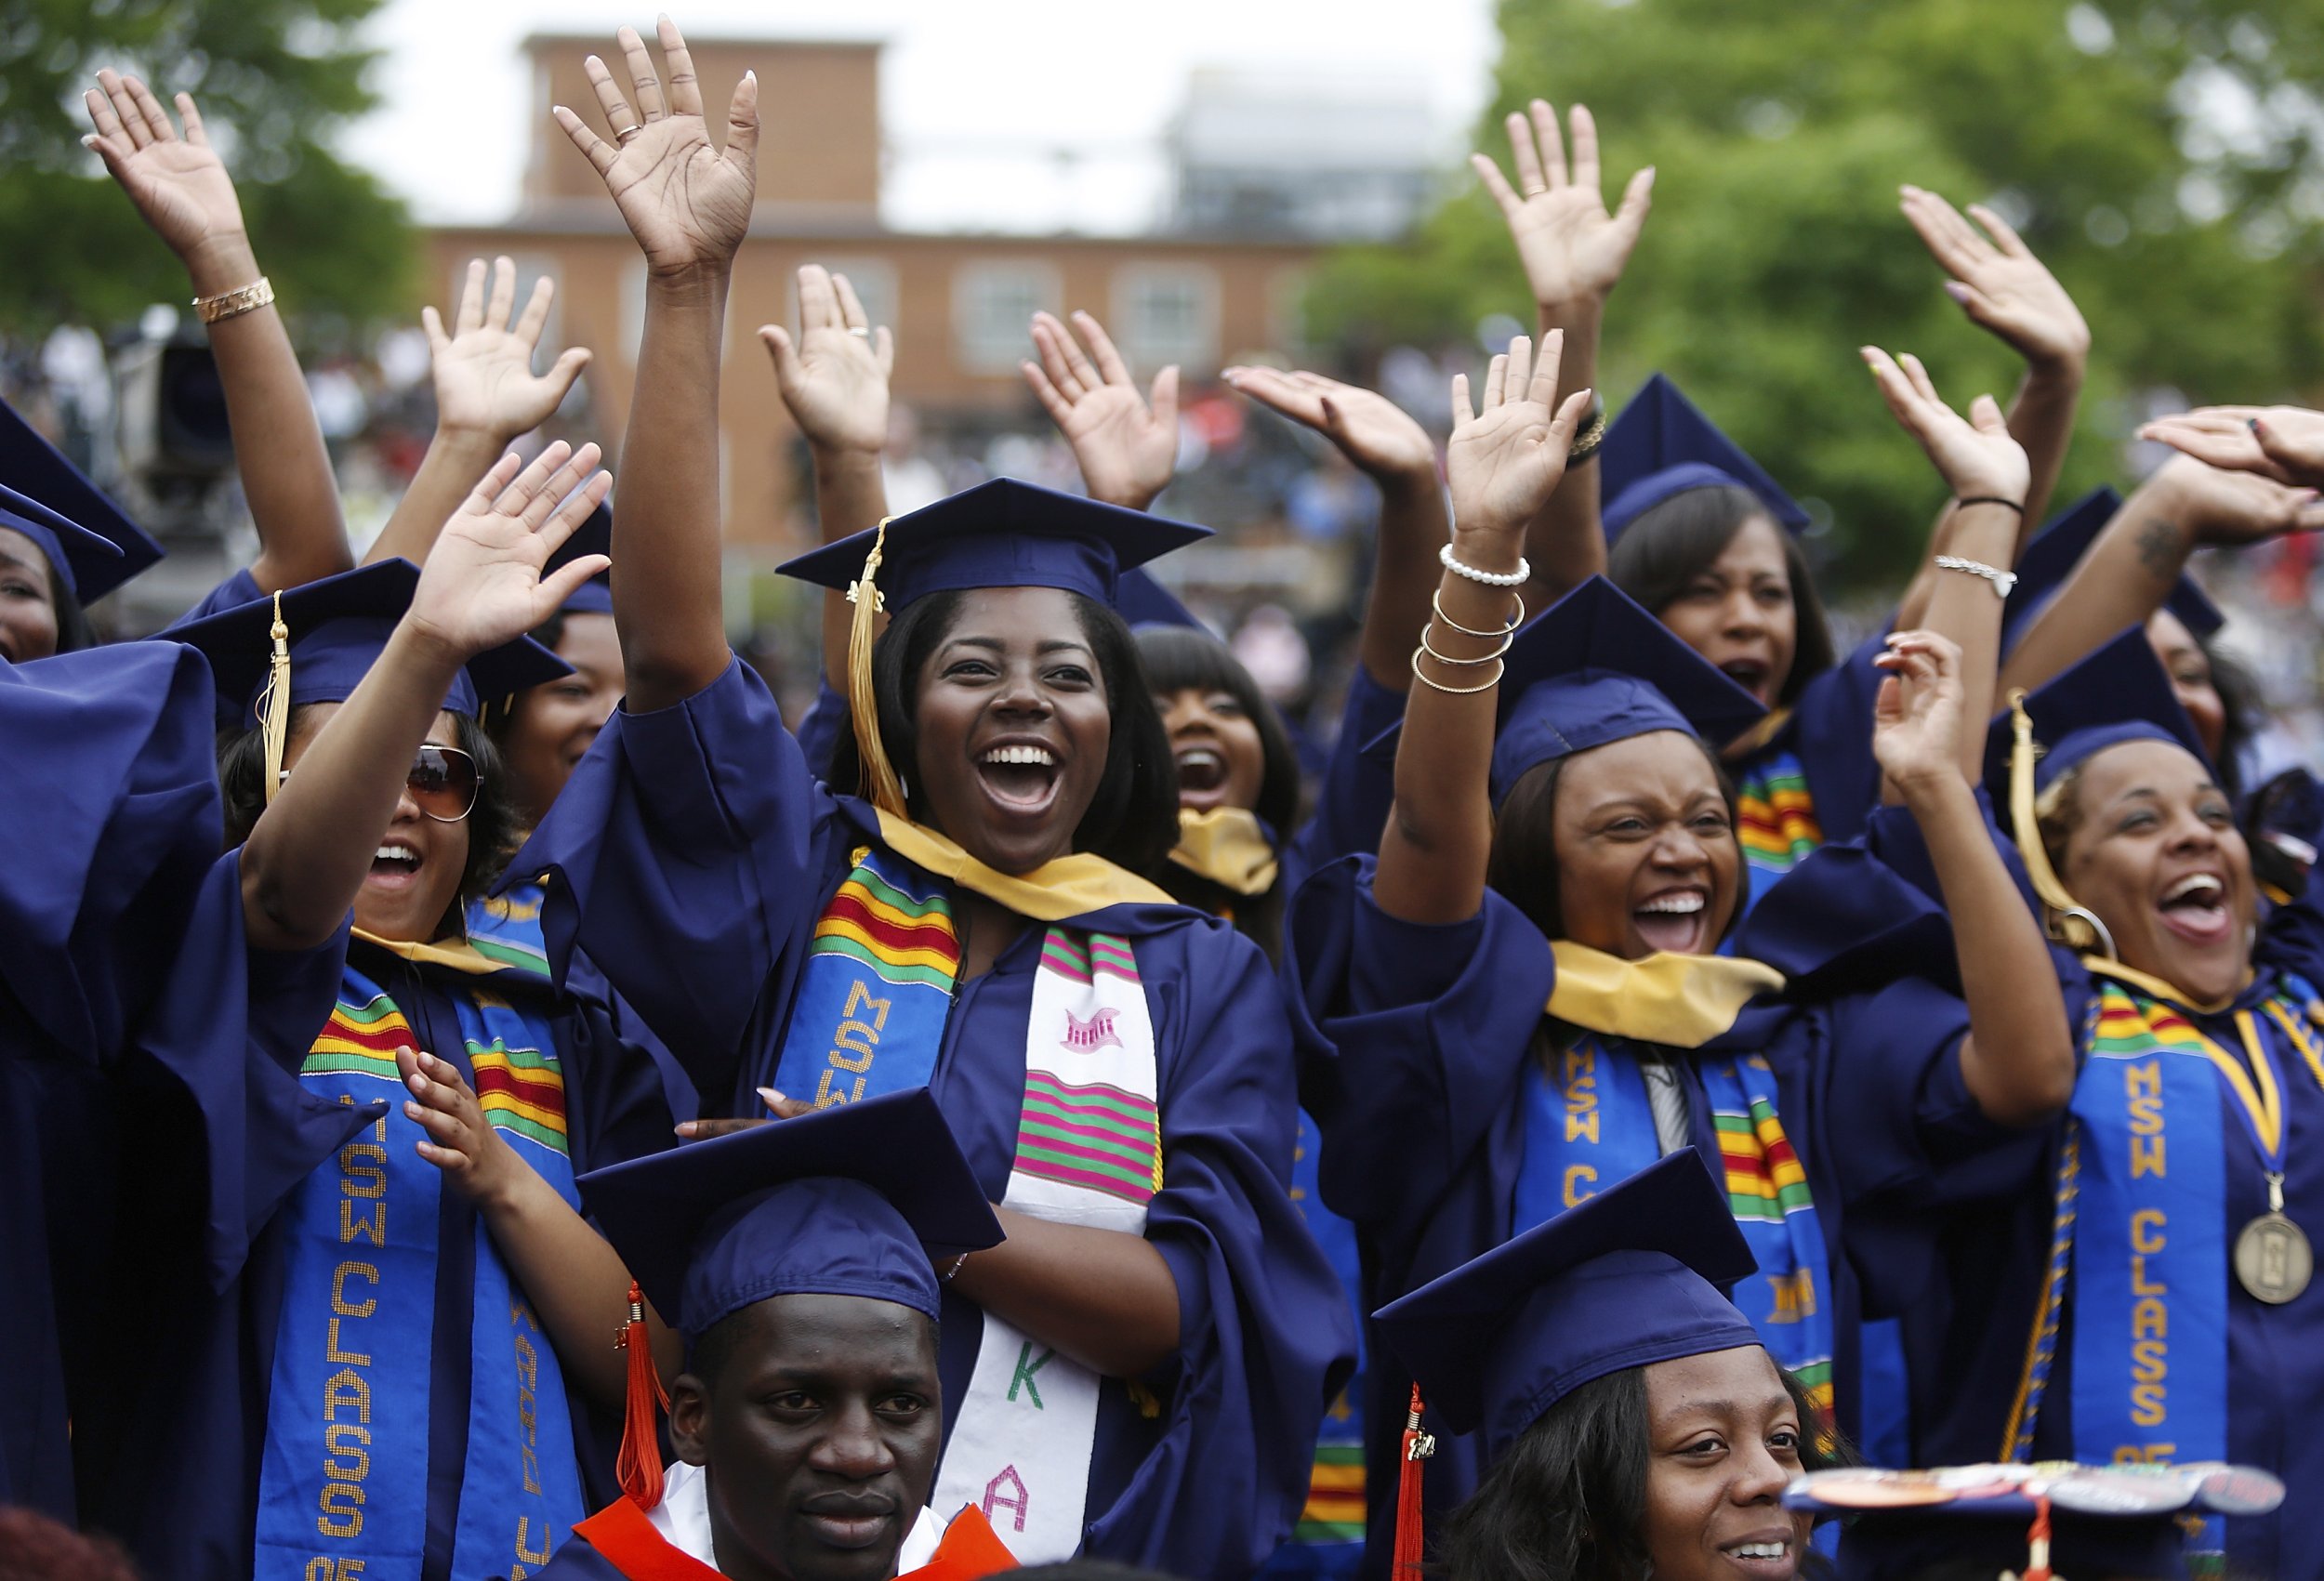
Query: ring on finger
623, 136
859, 329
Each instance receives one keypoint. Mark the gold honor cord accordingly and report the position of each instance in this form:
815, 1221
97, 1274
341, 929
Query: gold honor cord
2068, 922
274, 703
880, 780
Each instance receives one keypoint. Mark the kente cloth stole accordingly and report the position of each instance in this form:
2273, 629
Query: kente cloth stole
1776, 818
1331, 1523
1230, 847
343, 1479
869, 1019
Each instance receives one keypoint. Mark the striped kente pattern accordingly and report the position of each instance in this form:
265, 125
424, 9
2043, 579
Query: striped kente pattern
361, 1040
1096, 1137
1335, 1498
904, 938
1764, 1181
1070, 957
522, 1091
1776, 820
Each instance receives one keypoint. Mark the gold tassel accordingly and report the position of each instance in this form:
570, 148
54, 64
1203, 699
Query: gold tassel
2069, 923
880, 780
274, 703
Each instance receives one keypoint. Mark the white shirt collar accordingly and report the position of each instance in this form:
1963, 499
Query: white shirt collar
683, 1520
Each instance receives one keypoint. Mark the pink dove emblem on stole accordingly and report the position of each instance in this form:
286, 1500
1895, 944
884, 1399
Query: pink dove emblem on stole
1087, 1038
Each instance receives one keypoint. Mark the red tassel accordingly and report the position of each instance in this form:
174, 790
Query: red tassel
2038, 1542
639, 1465
1417, 1447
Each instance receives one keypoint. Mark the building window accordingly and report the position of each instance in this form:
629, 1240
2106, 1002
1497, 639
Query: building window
1167, 313
993, 305
875, 283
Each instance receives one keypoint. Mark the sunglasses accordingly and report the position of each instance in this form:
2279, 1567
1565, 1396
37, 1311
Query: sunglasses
442, 781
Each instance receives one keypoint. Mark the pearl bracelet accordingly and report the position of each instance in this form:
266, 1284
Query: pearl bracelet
1517, 578
2002, 580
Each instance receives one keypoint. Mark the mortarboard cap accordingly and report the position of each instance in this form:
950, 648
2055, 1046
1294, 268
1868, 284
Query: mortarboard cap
1144, 601
1628, 1278
2121, 1522
2119, 692
85, 535
2050, 558
337, 627
1002, 533
594, 537
1662, 445
851, 1199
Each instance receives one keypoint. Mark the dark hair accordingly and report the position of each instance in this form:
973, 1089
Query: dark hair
1178, 658
1569, 1501
1523, 868
2241, 713
73, 630
500, 717
1133, 820
493, 827
1660, 555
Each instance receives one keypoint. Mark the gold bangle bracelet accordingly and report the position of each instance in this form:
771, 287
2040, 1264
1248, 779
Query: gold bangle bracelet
234, 303
1586, 442
1451, 691
1436, 602
1430, 648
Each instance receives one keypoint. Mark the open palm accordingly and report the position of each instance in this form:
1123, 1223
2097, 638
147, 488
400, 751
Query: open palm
483, 583
834, 377
484, 371
687, 203
1975, 454
1573, 250
1999, 282
1125, 442
178, 184
1506, 460
1375, 435
2282, 443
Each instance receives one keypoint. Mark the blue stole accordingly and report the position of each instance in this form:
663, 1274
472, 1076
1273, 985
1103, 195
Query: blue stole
1589, 1124
344, 1474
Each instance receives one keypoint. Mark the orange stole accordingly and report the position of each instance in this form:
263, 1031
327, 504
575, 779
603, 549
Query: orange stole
623, 1534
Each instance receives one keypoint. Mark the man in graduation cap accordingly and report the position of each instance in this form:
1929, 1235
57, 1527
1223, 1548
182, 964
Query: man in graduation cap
800, 1260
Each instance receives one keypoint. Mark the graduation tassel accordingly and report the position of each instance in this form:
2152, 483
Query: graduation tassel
1418, 1449
639, 1465
2038, 1542
879, 775
2070, 924
274, 703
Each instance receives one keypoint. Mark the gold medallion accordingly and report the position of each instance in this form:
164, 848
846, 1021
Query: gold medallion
2273, 1259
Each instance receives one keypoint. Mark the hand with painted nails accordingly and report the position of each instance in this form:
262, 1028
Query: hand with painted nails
1378, 436
1573, 250
483, 583
687, 203
1998, 281
2285, 443
778, 1107
1917, 713
1507, 459
483, 369
1976, 455
1125, 442
180, 185
477, 1161
2225, 508
834, 377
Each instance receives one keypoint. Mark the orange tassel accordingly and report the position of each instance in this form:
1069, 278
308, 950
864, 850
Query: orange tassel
1417, 1448
639, 1465
2038, 1542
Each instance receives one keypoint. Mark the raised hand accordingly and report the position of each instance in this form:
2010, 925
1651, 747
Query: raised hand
1128, 448
686, 203
1376, 436
475, 1159
1573, 250
484, 370
1917, 715
178, 184
2285, 443
482, 585
2230, 509
1976, 455
833, 379
1505, 461
1999, 282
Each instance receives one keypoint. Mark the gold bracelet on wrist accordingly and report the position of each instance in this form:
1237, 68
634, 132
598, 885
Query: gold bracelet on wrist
234, 303
1436, 602
1452, 691
1508, 638
1586, 442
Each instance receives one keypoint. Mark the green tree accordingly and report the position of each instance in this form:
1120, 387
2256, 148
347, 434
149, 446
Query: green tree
273, 78
2160, 157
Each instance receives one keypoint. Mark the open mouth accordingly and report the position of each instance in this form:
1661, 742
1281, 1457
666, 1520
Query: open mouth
394, 864
1750, 674
1773, 1558
1673, 922
2196, 909
1201, 774
1022, 776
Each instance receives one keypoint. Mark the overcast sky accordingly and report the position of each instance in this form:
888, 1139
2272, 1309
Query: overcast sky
1000, 80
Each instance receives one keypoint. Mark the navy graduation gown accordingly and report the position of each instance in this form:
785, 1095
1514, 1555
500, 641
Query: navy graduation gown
109, 790
690, 855
182, 1485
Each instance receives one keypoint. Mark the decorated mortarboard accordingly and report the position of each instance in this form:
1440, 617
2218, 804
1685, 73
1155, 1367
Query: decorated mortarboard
1002, 533
594, 537
85, 535
2119, 693
2050, 558
1631, 1276
1662, 446
2121, 1522
1142, 602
